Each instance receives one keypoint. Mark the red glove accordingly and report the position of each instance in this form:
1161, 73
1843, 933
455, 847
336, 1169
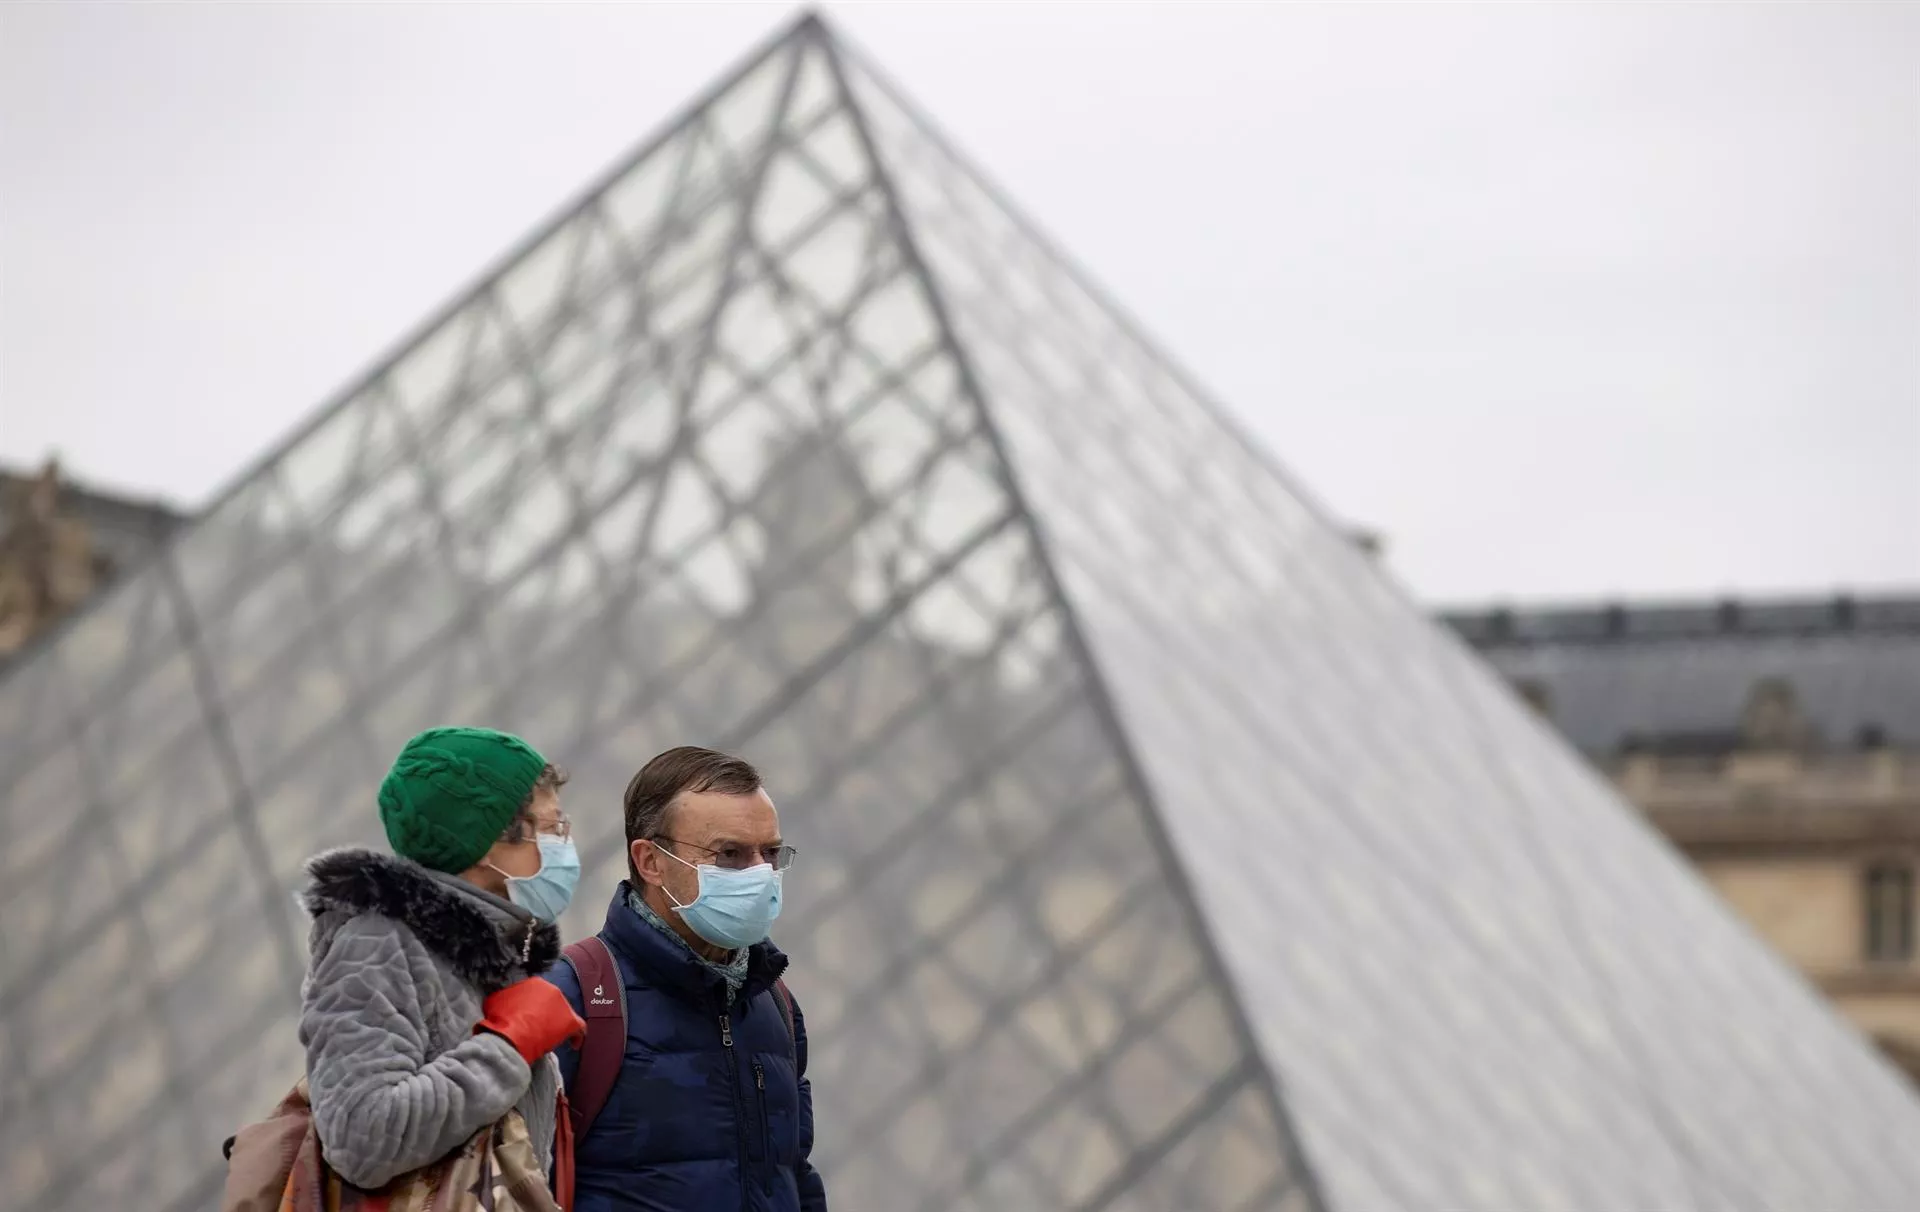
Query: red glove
533, 1016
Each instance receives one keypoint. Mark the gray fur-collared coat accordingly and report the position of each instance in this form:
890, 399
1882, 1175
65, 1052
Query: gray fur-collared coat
401, 959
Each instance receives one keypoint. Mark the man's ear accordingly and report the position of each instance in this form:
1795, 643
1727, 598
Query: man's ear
640, 853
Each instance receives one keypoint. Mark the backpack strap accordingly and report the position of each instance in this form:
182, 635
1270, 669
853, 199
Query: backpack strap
784, 1000
604, 998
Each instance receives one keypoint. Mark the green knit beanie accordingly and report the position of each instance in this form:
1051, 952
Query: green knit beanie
453, 791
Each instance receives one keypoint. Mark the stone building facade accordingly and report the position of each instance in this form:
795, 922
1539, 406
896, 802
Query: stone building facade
60, 543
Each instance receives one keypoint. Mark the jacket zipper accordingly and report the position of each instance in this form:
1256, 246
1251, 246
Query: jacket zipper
733, 1080
766, 1126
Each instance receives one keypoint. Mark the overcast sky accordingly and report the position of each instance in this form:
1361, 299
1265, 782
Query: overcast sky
1567, 299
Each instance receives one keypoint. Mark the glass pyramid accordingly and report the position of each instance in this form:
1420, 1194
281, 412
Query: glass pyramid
1158, 854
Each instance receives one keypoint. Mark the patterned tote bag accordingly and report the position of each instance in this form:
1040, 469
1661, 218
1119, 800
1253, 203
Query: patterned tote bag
277, 1166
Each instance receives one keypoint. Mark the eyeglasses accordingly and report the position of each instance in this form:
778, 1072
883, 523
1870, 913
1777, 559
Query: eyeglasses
735, 857
527, 829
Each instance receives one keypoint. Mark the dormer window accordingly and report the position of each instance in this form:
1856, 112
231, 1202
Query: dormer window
1889, 912
1772, 716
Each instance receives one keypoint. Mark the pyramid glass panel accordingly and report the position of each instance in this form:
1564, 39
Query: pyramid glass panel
1156, 853
1449, 920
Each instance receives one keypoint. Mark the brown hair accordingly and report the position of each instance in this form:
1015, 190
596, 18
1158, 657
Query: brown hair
651, 793
524, 827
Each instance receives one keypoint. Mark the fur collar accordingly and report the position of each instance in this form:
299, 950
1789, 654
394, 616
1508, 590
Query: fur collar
484, 947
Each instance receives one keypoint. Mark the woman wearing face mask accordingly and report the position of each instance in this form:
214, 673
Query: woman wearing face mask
420, 1020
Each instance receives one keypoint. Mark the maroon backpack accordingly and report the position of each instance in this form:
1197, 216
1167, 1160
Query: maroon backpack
604, 998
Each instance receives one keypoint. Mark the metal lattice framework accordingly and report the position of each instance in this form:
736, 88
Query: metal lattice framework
1158, 854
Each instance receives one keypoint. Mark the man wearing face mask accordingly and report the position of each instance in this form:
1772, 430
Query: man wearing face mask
420, 1020
703, 1104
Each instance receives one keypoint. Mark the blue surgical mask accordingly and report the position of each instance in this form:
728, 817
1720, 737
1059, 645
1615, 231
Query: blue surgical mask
547, 892
734, 908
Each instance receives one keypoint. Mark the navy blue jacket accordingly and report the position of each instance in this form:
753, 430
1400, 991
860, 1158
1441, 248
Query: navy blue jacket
712, 1112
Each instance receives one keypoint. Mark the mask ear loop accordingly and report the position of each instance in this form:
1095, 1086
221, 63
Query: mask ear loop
503, 875
510, 878
663, 888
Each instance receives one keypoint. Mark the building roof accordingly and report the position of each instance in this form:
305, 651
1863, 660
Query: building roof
122, 527
1616, 675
